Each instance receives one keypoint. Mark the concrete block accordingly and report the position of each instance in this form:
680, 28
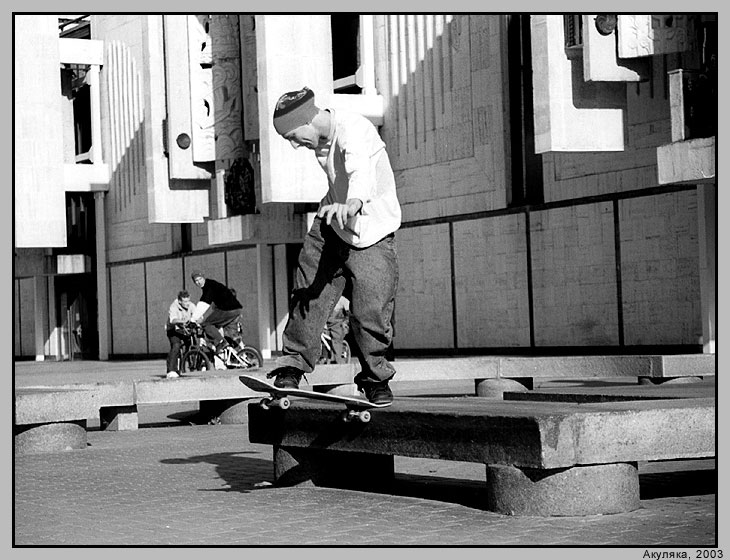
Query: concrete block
322, 467
495, 388
119, 418
228, 411
541, 435
582, 490
43, 405
47, 438
40, 405
189, 389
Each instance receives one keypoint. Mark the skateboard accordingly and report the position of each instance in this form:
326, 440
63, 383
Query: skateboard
357, 409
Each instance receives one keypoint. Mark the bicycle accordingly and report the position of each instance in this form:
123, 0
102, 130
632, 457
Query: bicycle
329, 356
200, 353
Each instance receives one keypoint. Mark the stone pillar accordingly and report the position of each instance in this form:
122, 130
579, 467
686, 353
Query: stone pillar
264, 281
707, 239
299, 466
102, 286
40, 316
495, 388
575, 491
46, 438
281, 292
119, 418
54, 333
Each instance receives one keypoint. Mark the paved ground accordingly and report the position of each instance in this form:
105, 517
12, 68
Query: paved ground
206, 485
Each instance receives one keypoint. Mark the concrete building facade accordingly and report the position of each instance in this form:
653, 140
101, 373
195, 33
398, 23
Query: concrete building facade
556, 174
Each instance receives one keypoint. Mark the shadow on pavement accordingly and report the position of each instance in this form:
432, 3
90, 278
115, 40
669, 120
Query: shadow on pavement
677, 484
241, 474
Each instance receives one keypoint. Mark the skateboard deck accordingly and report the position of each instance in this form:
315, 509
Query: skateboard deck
355, 408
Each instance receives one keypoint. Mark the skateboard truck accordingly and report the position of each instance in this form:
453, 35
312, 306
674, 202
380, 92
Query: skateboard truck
353, 414
283, 403
356, 409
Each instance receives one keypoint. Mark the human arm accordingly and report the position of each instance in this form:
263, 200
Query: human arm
175, 315
342, 212
200, 308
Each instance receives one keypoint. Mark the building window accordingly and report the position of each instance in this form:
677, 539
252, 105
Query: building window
526, 165
573, 30
346, 59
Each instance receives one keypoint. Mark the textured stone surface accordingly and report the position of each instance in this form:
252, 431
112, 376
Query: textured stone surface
495, 388
61, 436
208, 486
544, 435
590, 490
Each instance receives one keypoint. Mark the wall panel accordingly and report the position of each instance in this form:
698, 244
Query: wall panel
490, 270
574, 276
127, 311
423, 309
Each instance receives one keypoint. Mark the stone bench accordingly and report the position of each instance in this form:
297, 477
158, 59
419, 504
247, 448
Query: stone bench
541, 458
64, 411
493, 375
55, 418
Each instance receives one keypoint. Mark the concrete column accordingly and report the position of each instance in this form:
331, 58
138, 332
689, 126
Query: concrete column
580, 490
495, 388
40, 316
367, 53
102, 286
54, 345
707, 239
281, 292
265, 282
302, 466
92, 78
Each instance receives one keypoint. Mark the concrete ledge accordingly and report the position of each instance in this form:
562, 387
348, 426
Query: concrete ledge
565, 367
189, 389
523, 434
691, 388
36, 405
583, 367
45, 438
491, 376
542, 458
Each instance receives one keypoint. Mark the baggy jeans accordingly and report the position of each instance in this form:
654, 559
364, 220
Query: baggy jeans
327, 267
221, 319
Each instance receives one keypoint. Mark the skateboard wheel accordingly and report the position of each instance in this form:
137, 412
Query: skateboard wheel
265, 403
364, 416
284, 403
346, 416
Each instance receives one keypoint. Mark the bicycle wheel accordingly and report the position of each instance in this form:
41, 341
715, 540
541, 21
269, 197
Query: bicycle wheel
324, 356
346, 353
252, 357
195, 360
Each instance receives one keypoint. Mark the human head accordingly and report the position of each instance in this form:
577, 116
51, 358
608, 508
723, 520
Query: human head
293, 116
183, 296
198, 278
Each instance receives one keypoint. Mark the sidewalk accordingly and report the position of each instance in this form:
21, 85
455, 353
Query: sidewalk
208, 486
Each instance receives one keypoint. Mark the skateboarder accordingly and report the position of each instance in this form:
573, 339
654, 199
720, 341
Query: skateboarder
351, 243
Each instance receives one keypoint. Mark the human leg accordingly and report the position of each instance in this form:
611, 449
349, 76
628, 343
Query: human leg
374, 282
217, 320
173, 356
318, 285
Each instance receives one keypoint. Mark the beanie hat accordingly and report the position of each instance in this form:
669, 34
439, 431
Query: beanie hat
294, 109
196, 274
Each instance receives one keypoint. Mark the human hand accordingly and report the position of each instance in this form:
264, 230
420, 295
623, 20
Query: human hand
341, 211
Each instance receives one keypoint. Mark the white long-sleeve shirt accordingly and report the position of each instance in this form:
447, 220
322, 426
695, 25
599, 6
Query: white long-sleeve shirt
357, 166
